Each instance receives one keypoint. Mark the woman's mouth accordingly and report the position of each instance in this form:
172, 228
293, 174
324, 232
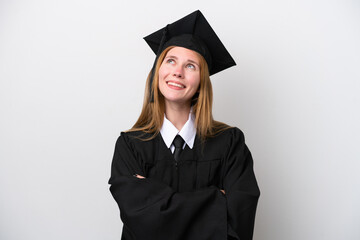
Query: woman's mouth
175, 85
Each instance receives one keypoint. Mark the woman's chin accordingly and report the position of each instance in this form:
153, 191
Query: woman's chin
176, 100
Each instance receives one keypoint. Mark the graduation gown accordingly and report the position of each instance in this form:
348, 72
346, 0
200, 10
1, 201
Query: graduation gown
183, 201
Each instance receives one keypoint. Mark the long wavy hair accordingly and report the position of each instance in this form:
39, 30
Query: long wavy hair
152, 114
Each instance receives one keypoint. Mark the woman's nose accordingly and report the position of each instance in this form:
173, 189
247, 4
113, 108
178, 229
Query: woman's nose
177, 75
178, 72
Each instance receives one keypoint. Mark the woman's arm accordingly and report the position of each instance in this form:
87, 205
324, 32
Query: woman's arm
242, 191
139, 176
150, 209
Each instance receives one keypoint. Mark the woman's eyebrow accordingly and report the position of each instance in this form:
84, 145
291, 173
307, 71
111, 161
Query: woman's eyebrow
171, 57
189, 60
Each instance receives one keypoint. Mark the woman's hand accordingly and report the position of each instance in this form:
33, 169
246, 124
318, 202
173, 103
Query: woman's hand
223, 191
138, 176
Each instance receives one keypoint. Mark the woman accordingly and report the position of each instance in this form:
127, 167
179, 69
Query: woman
178, 174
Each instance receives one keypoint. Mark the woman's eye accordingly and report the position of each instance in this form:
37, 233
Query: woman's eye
190, 66
170, 61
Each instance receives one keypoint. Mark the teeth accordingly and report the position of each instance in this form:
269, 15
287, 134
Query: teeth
175, 84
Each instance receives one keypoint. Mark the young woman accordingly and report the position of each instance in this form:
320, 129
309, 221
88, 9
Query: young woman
178, 174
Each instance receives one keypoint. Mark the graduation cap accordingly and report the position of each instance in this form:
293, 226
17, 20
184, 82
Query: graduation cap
195, 33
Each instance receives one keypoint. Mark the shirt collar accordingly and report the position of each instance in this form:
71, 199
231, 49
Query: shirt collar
169, 131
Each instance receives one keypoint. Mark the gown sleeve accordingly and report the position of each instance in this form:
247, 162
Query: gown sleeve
150, 209
241, 188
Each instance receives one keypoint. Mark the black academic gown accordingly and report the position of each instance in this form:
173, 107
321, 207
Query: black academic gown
183, 201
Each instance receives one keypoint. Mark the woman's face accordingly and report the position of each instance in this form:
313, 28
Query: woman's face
179, 75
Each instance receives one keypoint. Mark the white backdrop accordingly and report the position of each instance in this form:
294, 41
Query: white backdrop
72, 76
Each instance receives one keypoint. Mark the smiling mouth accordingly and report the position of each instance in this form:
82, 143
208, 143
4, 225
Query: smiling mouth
175, 84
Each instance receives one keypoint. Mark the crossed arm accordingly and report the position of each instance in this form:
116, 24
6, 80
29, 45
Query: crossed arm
202, 214
139, 176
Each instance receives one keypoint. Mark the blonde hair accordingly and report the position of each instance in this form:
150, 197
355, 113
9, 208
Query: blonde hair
152, 114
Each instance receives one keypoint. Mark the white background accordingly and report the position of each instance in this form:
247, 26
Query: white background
72, 76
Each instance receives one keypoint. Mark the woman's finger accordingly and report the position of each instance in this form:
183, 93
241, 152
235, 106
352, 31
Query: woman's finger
138, 176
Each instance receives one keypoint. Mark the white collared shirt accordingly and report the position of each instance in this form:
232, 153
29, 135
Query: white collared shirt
169, 131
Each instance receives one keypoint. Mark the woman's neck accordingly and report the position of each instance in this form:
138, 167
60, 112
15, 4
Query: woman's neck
177, 114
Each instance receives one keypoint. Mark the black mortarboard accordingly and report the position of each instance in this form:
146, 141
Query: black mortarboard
195, 33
